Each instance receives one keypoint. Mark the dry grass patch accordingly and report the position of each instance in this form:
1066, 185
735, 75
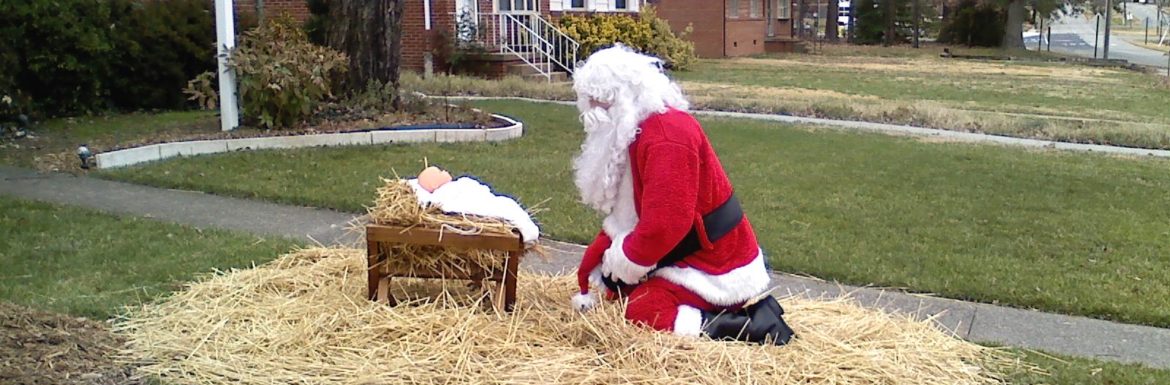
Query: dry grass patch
304, 318
937, 66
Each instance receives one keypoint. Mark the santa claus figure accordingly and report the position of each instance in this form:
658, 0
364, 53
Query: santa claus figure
674, 241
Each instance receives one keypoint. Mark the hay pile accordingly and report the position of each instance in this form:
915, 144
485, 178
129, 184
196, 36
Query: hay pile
304, 319
396, 204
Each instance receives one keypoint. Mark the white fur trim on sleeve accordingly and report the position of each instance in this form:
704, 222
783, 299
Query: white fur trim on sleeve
584, 301
736, 286
688, 322
618, 266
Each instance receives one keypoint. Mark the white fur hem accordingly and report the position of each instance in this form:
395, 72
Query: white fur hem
618, 266
728, 289
584, 302
688, 322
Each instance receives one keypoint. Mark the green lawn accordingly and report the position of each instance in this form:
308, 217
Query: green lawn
90, 264
1029, 99
1065, 232
1064, 370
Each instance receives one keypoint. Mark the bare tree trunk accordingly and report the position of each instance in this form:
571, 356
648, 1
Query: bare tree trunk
831, 21
917, 21
370, 33
1013, 36
891, 13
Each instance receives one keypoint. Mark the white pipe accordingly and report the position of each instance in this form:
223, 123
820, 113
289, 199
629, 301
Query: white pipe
225, 36
427, 11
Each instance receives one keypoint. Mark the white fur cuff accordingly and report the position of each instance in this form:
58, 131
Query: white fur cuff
583, 302
618, 266
688, 322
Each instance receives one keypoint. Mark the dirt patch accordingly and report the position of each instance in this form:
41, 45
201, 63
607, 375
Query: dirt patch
49, 348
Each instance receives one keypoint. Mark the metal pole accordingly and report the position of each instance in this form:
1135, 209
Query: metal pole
225, 39
1050, 38
1040, 36
1096, 34
1108, 23
1147, 30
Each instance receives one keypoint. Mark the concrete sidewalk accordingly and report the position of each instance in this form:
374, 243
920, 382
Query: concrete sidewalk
1071, 335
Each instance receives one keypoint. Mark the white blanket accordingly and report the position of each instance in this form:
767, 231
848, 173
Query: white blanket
468, 196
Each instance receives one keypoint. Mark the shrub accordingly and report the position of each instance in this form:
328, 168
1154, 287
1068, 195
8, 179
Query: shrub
64, 57
647, 33
974, 24
455, 52
56, 54
281, 75
163, 44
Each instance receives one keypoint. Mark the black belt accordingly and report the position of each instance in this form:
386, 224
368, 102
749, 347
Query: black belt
717, 223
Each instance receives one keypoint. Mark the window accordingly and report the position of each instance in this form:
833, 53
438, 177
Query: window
783, 9
757, 10
620, 4
577, 4
732, 9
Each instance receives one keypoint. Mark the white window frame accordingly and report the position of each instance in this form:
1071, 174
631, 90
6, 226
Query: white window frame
757, 11
782, 9
732, 9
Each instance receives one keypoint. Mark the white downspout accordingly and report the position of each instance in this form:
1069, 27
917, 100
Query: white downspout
427, 12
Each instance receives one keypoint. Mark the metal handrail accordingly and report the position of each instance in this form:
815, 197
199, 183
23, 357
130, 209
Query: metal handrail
536, 41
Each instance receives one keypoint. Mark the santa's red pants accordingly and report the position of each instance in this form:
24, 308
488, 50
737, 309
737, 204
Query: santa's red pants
655, 303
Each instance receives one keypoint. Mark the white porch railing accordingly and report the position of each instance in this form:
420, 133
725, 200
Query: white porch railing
537, 42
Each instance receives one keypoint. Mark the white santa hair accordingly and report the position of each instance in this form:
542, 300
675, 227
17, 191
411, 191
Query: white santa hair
617, 89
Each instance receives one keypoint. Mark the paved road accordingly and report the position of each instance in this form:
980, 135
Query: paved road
1139, 13
1075, 35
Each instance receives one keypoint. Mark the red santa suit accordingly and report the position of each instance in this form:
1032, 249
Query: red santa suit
663, 183
676, 180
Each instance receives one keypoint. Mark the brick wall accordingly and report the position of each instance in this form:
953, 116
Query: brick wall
298, 9
705, 16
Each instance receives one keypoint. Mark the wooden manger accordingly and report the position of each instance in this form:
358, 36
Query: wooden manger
379, 237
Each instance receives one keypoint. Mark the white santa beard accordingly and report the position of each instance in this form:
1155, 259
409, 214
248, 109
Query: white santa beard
604, 155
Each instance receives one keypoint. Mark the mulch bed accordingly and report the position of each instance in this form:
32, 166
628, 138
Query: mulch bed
49, 348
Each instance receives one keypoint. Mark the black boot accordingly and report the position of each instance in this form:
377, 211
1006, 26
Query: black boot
762, 322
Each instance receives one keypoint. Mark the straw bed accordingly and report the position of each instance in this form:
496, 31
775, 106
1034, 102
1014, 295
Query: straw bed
304, 319
396, 204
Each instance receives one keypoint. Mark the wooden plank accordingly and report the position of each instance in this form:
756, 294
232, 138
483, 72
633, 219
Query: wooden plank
472, 273
422, 236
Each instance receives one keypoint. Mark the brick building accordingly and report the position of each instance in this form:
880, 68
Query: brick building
722, 28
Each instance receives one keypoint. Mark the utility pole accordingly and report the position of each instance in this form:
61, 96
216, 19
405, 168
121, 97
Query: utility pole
1108, 22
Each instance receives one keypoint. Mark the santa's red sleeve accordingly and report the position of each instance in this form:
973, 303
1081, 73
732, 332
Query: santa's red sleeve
591, 259
598, 246
670, 187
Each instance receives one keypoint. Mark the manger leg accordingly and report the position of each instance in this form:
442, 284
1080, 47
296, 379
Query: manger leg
510, 277
373, 269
